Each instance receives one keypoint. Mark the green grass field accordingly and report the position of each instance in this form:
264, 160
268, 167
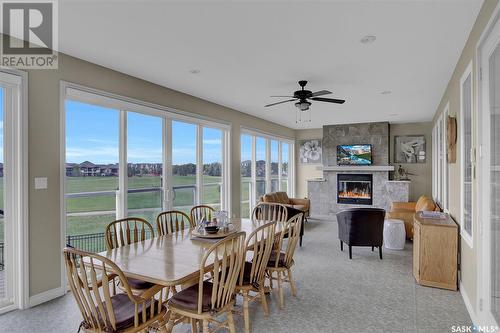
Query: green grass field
151, 201
78, 225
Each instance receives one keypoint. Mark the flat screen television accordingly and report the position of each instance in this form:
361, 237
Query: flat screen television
354, 154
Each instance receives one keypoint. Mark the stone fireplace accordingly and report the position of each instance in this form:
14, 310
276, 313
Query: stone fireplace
354, 189
347, 186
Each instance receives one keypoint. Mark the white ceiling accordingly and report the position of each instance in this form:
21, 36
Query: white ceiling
247, 51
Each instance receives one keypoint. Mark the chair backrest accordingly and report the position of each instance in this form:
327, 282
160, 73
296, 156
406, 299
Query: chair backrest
260, 242
361, 226
227, 257
127, 231
201, 211
291, 230
272, 212
91, 278
172, 221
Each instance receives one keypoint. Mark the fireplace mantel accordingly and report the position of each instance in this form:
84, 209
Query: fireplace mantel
368, 168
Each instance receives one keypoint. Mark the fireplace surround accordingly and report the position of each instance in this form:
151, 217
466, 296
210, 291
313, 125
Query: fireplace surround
356, 189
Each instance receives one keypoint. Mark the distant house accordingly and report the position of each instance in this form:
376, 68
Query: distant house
109, 169
88, 169
72, 170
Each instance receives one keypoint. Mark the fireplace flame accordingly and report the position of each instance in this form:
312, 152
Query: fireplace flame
354, 194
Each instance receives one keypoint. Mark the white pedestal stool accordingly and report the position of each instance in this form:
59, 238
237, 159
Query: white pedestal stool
394, 234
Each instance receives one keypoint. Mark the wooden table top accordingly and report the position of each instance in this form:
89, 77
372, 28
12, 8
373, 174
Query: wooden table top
171, 259
448, 222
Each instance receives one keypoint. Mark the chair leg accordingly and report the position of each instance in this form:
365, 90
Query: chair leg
341, 246
380, 252
300, 241
194, 327
246, 314
350, 252
205, 324
263, 300
230, 322
280, 290
271, 279
373, 248
292, 283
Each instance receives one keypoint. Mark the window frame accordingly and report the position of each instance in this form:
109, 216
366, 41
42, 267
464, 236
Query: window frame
83, 94
440, 180
254, 134
468, 237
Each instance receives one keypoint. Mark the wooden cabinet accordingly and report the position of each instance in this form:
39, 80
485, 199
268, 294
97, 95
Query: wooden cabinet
435, 246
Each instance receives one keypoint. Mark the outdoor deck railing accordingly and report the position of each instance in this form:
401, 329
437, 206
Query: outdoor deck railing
96, 242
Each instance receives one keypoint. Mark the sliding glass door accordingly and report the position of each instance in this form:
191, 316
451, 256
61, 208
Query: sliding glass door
92, 165
124, 159
489, 178
264, 168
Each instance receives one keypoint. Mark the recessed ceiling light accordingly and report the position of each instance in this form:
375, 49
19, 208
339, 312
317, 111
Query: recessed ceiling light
368, 39
194, 71
386, 92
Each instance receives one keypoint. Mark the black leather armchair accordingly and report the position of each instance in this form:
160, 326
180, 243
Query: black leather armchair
361, 227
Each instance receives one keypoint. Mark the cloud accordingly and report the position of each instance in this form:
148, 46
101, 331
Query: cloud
212, 141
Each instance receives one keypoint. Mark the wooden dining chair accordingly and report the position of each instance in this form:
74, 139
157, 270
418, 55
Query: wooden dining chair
260, 244
281, 258
265, 211
201, 211
91, 279
210, 298
172, 221
127, 231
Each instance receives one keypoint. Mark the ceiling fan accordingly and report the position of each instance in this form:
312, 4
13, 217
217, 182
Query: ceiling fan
303, 96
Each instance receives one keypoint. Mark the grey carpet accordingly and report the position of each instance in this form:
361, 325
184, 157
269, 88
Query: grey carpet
335, 294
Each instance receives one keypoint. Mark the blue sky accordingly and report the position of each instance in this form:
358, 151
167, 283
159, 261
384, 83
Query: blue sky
246, 149
92, 133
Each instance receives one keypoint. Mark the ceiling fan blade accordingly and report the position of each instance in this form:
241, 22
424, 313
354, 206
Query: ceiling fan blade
330, 100
321, 93
283, 96
290, 100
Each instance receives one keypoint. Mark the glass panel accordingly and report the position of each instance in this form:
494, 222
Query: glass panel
246, 174
495, 182
285, 153
260, 152
467, 164
212, 167
3, 284
91, 172
184, 165
274, 166
144, 168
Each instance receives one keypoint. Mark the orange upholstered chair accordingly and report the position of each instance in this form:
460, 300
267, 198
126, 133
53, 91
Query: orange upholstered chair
406, 210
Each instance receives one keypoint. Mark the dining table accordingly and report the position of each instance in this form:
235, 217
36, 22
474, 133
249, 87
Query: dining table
172, 259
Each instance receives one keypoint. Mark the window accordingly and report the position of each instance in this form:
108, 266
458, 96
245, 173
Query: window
92, 165
466, 154
212, 167
127, 159
184, 151
145, 165
439, 161
264, 168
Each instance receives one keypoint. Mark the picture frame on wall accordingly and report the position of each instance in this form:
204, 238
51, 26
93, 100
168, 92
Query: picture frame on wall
310, 151
409, 149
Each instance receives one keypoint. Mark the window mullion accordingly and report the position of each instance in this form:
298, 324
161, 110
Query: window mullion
268, 166
122, 192
167, 164
280, 166
199, 164
254, 173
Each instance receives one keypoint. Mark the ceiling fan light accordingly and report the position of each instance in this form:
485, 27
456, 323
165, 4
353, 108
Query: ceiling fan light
303, 105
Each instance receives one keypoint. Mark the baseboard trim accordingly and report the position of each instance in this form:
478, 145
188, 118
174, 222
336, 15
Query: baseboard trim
46, 296
468, 304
